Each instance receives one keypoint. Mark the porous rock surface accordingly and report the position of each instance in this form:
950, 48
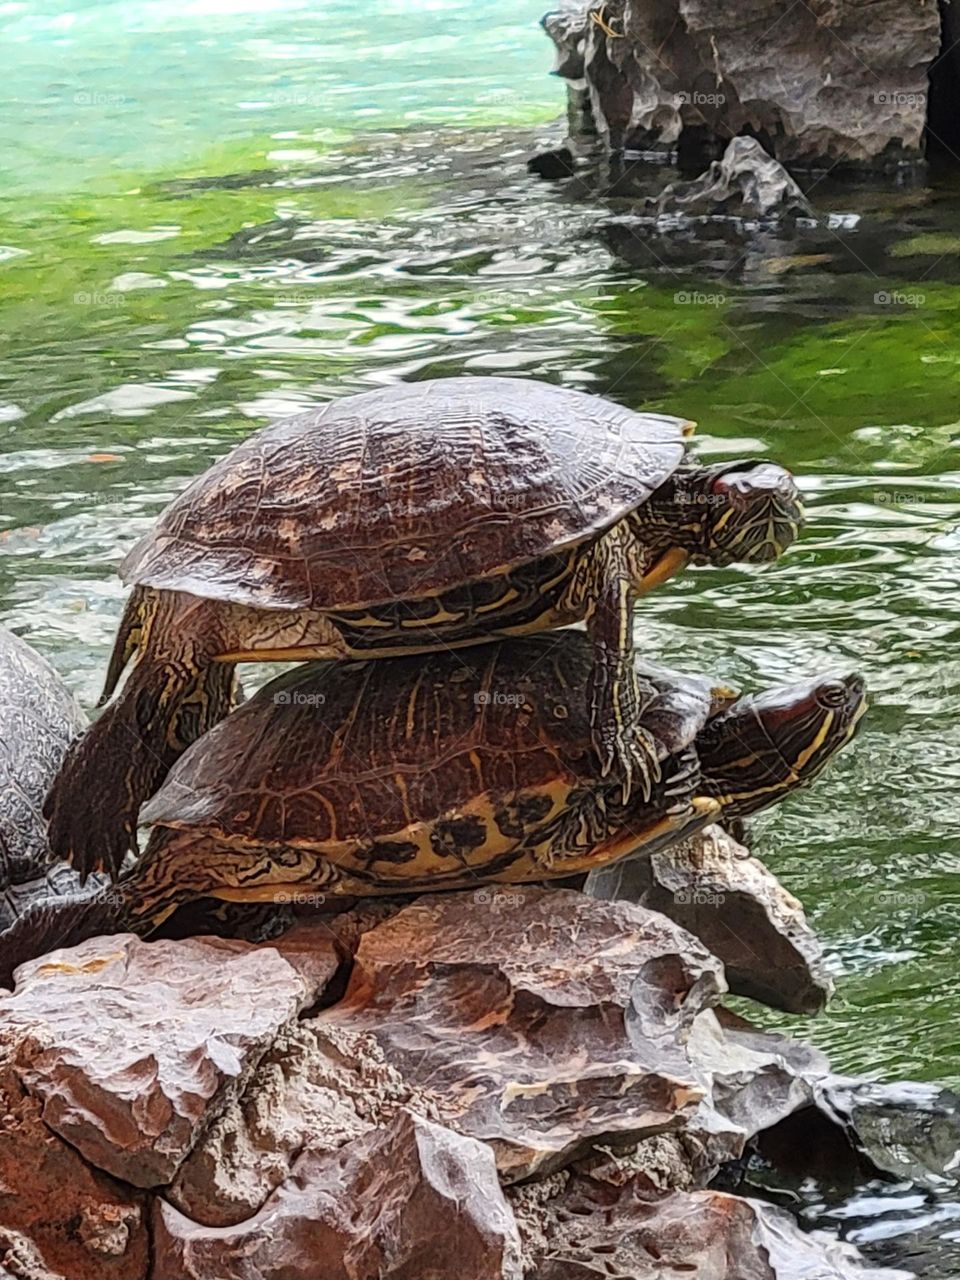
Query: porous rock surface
712, 887
538, 1021
133, 1046
503, 1086
409, 1201
59, 1216
819, 83
591, 1229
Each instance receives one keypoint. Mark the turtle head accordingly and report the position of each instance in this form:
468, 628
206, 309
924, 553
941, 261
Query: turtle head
768, 745
741, 511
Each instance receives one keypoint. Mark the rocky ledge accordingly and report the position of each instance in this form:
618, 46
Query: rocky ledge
528, 1083
820, 84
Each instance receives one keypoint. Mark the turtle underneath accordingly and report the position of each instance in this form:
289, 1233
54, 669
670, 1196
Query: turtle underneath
445, 772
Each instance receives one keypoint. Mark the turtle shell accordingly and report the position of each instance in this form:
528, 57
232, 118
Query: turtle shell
38, 718
456, 752
405, 491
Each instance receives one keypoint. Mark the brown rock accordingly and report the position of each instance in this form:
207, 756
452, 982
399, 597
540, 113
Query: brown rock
134, 1047
413, 1201
752, 1082
20, 1259
317, 1086
595, 1229
738, 909
818, 83
536, 1019
59, 1217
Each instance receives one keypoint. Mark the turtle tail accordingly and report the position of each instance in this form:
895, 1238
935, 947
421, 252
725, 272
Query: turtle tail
64, 922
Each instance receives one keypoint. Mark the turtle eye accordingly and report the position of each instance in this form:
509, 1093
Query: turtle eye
833, 693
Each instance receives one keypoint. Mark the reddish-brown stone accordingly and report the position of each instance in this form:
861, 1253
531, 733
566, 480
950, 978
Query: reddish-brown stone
54, 1207
738, 909
137, 1046
411, 1201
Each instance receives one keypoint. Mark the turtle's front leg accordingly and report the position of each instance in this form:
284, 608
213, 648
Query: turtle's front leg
617, 694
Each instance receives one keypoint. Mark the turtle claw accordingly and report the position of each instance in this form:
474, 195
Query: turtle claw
632, 759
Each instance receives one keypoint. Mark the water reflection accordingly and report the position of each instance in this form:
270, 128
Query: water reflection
426, 254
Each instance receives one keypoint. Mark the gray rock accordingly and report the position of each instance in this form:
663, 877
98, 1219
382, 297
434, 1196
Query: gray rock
745, 183
819, 83
38, 719
589, 1229
711, 886
907, 1129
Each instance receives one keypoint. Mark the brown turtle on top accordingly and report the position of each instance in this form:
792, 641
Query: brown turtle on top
414, 517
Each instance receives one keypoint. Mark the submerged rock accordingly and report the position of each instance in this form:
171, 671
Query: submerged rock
557, 163
593, 1229
819, 84
711, 886
908, 1130
745, 182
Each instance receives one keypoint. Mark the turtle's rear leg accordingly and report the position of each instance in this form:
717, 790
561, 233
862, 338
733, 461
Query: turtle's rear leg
171, 697
121, 908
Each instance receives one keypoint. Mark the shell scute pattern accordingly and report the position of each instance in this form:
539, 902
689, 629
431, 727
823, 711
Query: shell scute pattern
403, 491
376, 758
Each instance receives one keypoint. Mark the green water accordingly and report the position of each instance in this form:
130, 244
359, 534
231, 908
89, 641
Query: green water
210, 219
